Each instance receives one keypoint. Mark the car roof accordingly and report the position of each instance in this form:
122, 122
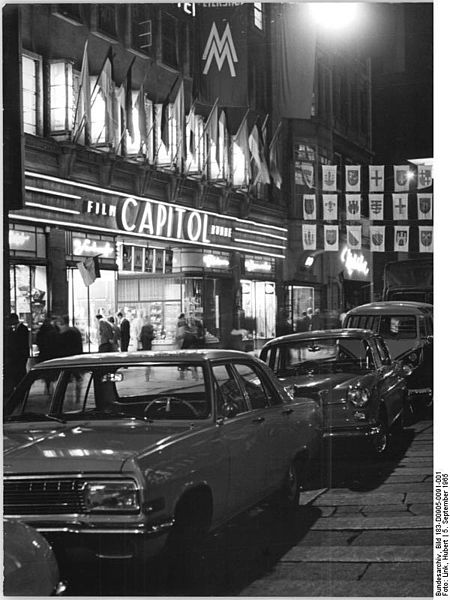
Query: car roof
322, 334
392, 306
125, 358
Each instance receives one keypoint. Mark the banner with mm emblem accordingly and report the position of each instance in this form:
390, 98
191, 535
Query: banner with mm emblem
330, 212
331, 238
424, 176
329, 178
353, 205
309, 207
400, 207
425, 238
222, 55
376, 178
354, 237
377, 238
424, 206
353, 178
401, 238
309, 237
376, 207
401, 178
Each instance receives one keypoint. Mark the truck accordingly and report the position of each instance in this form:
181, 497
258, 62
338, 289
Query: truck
409, 280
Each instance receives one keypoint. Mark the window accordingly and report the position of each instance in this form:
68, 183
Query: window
398, 327
227, 390
258, 15
61, 97
106, 19
32, 93
259, 394
141, 28
169, 40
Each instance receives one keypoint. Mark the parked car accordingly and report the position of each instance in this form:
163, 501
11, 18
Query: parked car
29, 564
350, 373
407, 329
123, 455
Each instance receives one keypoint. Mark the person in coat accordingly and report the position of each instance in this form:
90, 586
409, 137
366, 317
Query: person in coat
124, 325
16, 352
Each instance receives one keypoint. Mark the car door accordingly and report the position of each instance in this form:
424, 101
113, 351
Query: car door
391, 384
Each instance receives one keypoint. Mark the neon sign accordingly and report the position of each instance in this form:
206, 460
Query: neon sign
212, 260
85, 247
354, 263
253, 265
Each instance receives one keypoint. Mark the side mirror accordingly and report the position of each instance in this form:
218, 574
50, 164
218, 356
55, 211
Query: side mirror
429, 339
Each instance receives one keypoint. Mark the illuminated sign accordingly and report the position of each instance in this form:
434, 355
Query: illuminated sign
85, 247
354, 262
212, 260
252, 265
20, 240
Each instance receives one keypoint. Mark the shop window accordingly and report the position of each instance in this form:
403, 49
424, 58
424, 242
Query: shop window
32, 93
141, 28
28, 241
169, 40
28, 285
259, 306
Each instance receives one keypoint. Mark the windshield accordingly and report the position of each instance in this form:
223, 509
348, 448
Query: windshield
323, 355
153, 392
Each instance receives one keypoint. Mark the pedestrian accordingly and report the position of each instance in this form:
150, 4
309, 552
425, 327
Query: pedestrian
198, 331
181, 330
316, 320
309, 314
116, 334
124, 325
70, 340
105, 334
302, 324
16, 352
146, 338
47, 340
284, 327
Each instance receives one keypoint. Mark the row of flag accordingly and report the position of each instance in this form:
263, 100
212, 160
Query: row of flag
400, 207
398, 238
261, 156
371, 177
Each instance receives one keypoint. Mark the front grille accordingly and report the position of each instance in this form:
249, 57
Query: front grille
46, 496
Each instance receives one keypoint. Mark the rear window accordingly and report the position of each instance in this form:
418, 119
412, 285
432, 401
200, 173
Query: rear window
363, 322
398, 327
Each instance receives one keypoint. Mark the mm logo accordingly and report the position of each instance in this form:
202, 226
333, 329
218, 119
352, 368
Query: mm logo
220, 48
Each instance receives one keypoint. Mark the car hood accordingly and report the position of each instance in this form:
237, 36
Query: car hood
313, 384
82, 445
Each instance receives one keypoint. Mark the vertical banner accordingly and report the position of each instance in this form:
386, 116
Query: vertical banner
353, 206
401, 178
401, 238
424, 176
376, 207
400, 207
309, 237
305, 175
425, 238
330, 211
377, 238
353, 178
309, 207
354, 233
222, 55
424, 206
331, 238
329, 178
376, 178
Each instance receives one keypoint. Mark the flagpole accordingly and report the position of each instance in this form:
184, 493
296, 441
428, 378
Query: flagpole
202, 136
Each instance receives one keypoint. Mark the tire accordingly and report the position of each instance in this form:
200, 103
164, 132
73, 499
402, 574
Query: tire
294, 483
381, 442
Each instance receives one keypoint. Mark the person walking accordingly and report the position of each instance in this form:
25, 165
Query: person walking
146, 337
47, 340
105, 334
70, 340
309, 315
316, 320
16, 352
302, 324
181, 330
124, 325
116, 334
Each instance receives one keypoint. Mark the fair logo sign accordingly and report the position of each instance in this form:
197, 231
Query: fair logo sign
220, 48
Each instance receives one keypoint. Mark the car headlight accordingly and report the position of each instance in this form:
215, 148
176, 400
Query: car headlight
358, 396
412, 359
111, 496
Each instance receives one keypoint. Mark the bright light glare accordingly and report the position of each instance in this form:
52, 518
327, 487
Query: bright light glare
334, 15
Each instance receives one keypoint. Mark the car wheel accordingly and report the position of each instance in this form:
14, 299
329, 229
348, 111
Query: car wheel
382, 440
294, 481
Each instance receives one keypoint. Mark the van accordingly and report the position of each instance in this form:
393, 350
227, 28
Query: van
407, 329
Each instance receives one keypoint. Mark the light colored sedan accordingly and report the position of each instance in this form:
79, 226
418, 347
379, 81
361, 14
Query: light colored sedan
120, 456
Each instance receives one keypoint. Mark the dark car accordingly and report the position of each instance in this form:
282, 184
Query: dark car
407, 329
126, 455
362, 392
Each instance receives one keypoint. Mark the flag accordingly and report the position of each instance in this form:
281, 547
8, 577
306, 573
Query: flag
222, 152
190, 127
180, 120
401, 238
309, 207
211, 126
354, 237
331, 238
376, 178
257, 154
329, 202
107, 86
241, 138
353, 178
142, 118
400, 207
89, 269
309, 237
424, 206
329, 179
425, 238
295, 60
377, 238
376, 207
353, 206
83, 108
401, 178
424, 176
125, 99
274, 158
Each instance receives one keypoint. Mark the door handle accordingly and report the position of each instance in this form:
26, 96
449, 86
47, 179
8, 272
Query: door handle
287, 411
258, 420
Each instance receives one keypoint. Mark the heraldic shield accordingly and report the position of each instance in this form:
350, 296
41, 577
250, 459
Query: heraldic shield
353, 207
425, 205
353, 176
425, 178
331, 237
352, 239
402, 238
401, 177
308, 238
377, 239
426, 238
310, 205
376, 206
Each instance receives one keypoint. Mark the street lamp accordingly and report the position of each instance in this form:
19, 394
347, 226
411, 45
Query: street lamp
334, 15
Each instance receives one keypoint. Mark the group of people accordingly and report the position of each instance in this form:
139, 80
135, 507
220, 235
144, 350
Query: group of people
190, 333
309, 321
